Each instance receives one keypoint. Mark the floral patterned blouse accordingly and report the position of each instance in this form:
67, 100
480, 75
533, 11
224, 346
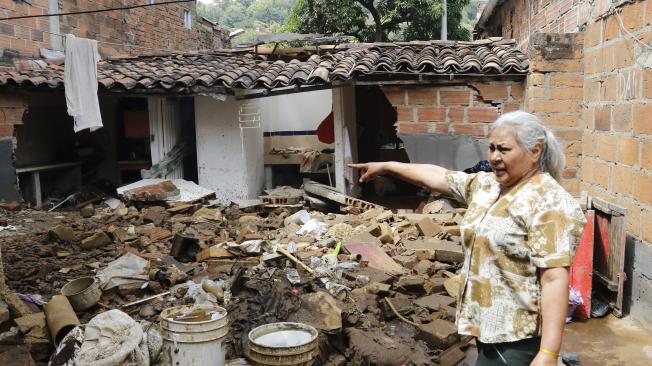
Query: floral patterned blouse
537, 224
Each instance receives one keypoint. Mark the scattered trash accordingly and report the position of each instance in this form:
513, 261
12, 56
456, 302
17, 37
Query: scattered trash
574, 300
129, 269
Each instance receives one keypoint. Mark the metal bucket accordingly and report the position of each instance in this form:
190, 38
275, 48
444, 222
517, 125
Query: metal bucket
282, 344
193, 335
83, 293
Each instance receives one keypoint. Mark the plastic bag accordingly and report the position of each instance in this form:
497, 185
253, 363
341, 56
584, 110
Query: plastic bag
113, 338
126, 270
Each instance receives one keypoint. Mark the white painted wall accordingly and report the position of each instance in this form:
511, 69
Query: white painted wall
297, 111
229, 158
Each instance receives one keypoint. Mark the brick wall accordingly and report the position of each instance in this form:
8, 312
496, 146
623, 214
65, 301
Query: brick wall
465, 109
617, 140
519, 19
12, 109
159, 27
554, 93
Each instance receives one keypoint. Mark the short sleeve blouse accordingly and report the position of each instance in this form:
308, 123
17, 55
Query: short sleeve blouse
537, 224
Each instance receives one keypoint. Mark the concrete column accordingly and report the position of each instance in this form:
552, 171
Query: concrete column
346, 147
56, 42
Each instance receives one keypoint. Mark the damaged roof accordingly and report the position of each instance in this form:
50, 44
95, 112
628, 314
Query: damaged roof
194, 72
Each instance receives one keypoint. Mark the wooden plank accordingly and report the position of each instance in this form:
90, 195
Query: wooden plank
41, 168
581, 271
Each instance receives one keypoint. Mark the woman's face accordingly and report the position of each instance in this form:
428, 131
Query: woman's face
509, 160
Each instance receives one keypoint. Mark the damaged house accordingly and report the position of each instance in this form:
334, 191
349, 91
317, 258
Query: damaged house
215, 105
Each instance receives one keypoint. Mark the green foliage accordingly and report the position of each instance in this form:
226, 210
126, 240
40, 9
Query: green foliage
254, 16
379, 20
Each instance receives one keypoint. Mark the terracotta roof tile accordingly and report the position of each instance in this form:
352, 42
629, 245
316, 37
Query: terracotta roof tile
245, 70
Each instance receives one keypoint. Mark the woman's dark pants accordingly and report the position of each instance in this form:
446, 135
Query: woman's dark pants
519, 353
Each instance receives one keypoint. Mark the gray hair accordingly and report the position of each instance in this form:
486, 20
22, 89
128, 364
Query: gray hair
529, 132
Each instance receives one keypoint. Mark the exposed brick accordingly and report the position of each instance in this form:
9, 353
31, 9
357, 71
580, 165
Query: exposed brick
622, 180
6, 130
481, 114
609, 88
404, 114
438, 128
412, 128
456, 115
606, 146
611, 29
569, 173
643, 193
633, 16
646, 218
603, 118
454, 97
587, 170
556, 66
646, 154
641, 118
395, 96
477, 130
566, 93
647, 82
628, 150
538, 92
517, 91
421, 96
588, 144
554, 106
510, 107
593, 35
624, 53
431, 114
535, 79
601, 174
490, 92
622, 118
559, 120
572, 80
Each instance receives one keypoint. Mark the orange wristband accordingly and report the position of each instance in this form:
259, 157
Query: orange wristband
549, 352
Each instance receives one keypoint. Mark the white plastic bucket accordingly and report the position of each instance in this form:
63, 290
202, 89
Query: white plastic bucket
193, 335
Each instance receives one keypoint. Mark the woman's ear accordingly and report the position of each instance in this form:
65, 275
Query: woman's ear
536, 151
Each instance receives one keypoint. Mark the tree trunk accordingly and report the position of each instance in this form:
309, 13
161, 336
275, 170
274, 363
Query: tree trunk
379, 35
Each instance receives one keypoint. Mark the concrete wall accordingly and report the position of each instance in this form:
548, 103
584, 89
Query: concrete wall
159, 27
229, 158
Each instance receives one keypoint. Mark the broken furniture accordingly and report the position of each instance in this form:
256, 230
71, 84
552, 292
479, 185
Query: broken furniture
56, 175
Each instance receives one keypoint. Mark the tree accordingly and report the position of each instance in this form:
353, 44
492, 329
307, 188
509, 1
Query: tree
380, 20
254, 16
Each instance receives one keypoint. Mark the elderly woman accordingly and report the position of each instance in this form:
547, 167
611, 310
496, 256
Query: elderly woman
519, 235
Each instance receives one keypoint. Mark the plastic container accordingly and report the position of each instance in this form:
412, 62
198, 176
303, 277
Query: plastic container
83, 293
194, 335
281, 344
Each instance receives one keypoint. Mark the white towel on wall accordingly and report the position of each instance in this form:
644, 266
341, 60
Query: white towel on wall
80, 82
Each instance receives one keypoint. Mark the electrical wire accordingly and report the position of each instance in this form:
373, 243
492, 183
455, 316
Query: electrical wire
624, 29
97, 10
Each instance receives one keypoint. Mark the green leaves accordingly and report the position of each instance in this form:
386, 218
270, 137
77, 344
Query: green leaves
379, 20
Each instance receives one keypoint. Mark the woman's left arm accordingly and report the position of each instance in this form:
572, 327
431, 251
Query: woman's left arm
554, 306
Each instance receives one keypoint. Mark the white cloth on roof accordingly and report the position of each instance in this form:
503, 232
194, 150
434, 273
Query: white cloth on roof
80, 82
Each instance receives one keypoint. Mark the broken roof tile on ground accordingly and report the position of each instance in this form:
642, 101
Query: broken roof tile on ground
232, 69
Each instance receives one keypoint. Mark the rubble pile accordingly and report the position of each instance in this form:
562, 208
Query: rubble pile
379, 285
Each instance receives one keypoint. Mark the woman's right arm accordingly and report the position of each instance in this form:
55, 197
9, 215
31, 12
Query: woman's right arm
428, 176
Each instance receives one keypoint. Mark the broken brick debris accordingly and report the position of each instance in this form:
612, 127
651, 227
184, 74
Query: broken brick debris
264, 263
